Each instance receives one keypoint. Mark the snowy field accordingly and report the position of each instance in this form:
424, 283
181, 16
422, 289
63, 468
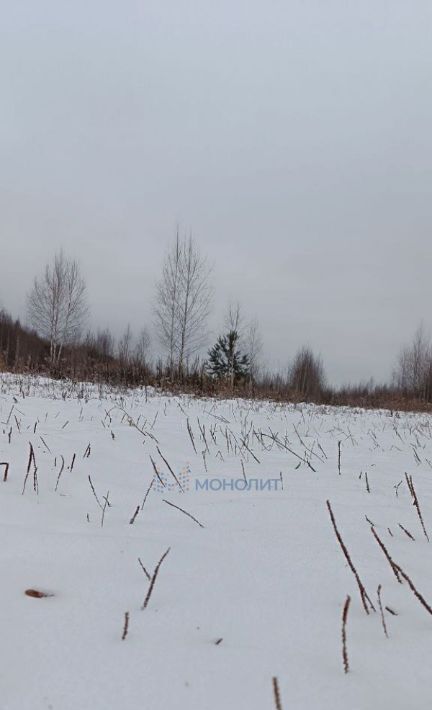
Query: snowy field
253, 585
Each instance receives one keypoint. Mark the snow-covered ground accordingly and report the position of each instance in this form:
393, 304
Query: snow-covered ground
252, 588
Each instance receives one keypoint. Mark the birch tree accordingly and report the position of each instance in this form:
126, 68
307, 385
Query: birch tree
167, 295
57, 304
194, 302
183, 300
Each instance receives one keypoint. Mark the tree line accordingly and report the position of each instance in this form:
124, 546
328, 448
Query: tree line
55, 341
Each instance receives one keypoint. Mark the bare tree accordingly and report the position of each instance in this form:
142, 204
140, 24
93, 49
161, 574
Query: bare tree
194, 302
249, 336
307, 374
104, 343
414, 367
183, 299
142, 348
57, 304
124, 347
166, 308
253, 346
233, 320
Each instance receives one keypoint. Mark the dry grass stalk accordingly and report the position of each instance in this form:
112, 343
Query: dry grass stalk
125, 625
133, 518
60, 472
276, 694
144, 569
183, 511
153, 580
397, 488
157, 473
6, 471
363, 594
25, 483
45, 444
170, 469
147, 492
31, 459
384, 625
400, 575
367, 482
106, 505
243, 471
392, 564
415, 591
35, 481
344, 637
407, 532
94, 493
191, 435
411, 489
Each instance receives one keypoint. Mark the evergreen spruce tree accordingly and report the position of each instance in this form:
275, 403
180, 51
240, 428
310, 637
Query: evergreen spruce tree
226, 362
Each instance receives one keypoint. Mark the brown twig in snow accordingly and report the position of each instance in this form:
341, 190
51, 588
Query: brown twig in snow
363, 594
344, 637
367, 482
153, 580
170, 469
25, 483
125, 625
184, 511
243, 471
392, 564
31, 458
147, 492
399, 573
157, 473
416, 593
276, 694
411, 489
144, 569
133, 518
94, 493
397, 488
6, 471
407, 532
107, 504
60, 473
384, 625
45, 444
191, 434
35, 481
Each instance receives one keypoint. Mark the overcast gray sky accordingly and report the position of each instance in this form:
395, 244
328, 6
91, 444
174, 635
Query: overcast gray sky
293, 137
